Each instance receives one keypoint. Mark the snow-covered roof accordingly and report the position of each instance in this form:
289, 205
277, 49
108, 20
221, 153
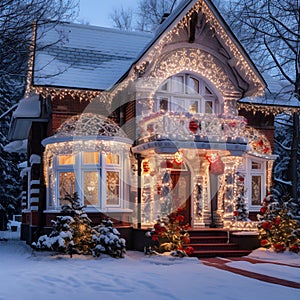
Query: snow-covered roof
28, 107
19, 146
82, 56
278, 93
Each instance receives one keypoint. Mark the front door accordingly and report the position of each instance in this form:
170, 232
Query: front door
181, 193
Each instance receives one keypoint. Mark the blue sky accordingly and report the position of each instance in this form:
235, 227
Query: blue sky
97, 12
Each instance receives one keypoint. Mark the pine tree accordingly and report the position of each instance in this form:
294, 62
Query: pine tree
107, 239
277, 228
73, 234
72, 230
241, 208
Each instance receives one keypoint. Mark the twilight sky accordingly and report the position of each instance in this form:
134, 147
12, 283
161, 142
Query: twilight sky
97, 12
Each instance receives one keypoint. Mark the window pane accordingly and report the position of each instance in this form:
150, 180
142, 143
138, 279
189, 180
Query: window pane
256, 190
164, 87
178, 84
194, 107
66, 159
193, 86
163, 104
112, 158
178, 105
91, 188
112, 188
91, 158
208, 107
66, 185
207, 91
255, 165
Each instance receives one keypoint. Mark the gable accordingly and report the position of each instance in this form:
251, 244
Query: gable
198, 25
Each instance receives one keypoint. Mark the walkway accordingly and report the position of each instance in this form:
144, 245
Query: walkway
221, 263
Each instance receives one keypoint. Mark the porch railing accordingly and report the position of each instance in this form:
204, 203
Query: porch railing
185, 127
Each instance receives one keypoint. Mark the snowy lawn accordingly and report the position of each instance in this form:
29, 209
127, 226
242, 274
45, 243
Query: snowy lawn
26, 274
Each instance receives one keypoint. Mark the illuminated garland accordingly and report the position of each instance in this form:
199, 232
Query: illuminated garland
167, 38
267, 110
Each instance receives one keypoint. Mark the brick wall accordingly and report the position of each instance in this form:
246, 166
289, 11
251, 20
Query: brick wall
261, 122
62, 109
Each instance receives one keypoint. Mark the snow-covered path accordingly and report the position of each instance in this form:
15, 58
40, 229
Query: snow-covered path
25, 274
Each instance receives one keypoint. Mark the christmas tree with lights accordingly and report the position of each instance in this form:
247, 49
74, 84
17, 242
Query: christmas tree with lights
241, 212
73, 234
277, 228
72, 231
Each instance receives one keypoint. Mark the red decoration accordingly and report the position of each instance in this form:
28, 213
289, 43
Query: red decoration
263, 243
146, 166
216, 166
193, 126
266, 225
169, 164
260, 143
263, 210
279, 247
178, 157
277, 221
295, 248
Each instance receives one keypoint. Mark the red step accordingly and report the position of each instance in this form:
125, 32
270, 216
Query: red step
214, 242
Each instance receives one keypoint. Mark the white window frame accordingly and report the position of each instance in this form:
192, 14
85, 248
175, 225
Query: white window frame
183, 99
246, 169
79, 168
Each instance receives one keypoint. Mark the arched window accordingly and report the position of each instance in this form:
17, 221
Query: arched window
186, 93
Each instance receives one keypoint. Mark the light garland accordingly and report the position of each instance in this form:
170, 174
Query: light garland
267, 109
167, 38
30, 61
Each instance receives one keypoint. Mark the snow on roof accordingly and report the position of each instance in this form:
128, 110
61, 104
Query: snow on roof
278, 93
28, 107
82, 56
19, 146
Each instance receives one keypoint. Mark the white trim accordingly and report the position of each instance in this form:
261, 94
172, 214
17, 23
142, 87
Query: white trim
78, 169
247, 170
35, 182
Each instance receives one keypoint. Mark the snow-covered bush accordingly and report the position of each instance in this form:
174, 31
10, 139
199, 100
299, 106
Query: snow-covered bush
107, 240
72, 231
73, 234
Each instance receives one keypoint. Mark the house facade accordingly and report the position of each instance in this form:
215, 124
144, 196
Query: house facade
141, 125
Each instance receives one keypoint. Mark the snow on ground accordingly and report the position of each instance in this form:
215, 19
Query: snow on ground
26, 274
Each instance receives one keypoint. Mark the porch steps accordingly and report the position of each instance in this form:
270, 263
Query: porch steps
214, 242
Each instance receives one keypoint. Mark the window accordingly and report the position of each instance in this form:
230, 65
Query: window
255, 181
112, 188
254, 170
66, 185
186, 93
66, 159
96, 177
256, 185
91, 188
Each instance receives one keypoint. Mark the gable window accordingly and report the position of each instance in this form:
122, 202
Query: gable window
186, 93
